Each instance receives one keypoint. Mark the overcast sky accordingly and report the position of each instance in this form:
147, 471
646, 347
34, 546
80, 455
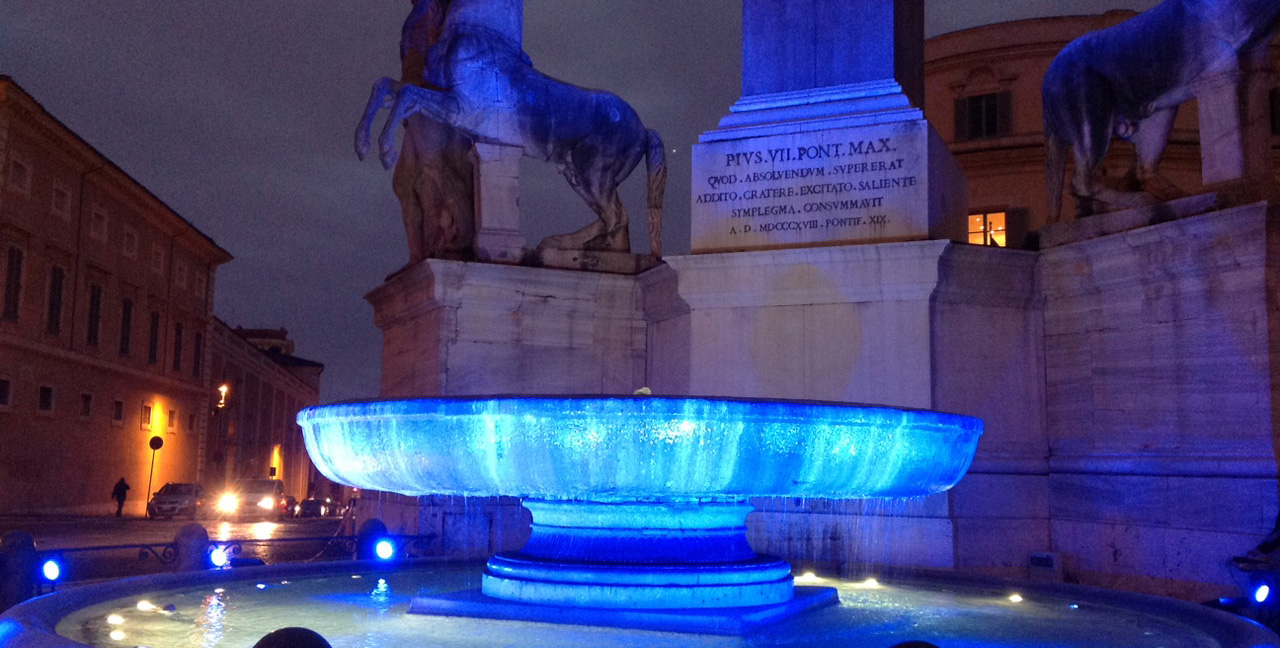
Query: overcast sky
240, 114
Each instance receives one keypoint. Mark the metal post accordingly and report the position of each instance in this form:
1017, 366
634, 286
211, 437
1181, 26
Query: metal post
17, 568
155, 443
146, 497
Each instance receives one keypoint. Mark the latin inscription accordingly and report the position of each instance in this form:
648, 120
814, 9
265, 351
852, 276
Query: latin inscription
832, 189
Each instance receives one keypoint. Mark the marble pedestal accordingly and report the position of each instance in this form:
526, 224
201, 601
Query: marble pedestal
455, 328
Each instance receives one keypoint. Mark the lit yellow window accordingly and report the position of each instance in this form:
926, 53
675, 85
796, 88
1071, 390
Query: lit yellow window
987, 229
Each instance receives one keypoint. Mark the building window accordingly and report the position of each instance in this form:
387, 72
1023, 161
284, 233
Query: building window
98, 224
197, 353
200, 282
12, 285
1274, 97
95, 315
5, 386
157, 258
180, 275
117, 412
60, 204
173, 420
19, 177
153, 340
130, 245
191, 423
984, 116
126, 326
57, 282
145, 421
86, 405
988, 229
177, 346
45, 401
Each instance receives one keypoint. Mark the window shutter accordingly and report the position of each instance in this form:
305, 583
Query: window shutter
1004, 112
962, 119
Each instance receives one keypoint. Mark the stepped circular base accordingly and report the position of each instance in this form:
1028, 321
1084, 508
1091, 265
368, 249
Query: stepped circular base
639, 555
760, 581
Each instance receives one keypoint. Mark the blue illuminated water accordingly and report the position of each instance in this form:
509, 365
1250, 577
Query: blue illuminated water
369, 612
611, 449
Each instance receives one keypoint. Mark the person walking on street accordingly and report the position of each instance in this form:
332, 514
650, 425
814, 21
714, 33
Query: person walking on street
118, 494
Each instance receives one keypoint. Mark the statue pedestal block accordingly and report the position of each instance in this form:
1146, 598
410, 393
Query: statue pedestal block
455, 328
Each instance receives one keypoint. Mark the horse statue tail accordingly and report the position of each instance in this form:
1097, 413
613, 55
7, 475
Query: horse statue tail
656, 162
1055, 172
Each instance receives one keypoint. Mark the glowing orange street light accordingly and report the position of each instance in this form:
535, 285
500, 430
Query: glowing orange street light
222, 395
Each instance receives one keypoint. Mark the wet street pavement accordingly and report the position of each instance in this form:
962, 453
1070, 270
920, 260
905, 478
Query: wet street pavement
272, 542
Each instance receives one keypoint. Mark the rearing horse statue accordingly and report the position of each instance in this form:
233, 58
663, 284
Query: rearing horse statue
490, 91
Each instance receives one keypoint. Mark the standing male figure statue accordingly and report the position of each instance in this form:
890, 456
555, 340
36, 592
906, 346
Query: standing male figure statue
1130, 79
434, 177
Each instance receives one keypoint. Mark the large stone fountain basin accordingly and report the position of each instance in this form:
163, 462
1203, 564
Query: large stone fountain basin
626, 449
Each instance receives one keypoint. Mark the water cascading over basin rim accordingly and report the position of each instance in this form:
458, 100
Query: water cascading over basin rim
623, 449
638, 503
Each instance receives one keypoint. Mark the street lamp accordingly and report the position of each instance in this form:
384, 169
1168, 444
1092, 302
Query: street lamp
223, 389
155, 443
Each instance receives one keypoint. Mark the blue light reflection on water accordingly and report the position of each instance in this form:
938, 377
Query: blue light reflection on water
349, 612
621, 449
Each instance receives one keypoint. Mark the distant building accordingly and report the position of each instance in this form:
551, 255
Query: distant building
983, 97
260, 386
104, 325
107, 339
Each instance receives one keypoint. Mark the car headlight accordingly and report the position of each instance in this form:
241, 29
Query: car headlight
228, 503
266, 503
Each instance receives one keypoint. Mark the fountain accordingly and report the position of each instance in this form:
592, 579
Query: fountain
638, 508
639, 504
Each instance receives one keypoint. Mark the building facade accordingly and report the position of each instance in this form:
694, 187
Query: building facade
253, 432
983, 96
107, 303
108, 339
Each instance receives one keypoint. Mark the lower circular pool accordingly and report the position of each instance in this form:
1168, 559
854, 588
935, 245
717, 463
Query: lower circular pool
360, 604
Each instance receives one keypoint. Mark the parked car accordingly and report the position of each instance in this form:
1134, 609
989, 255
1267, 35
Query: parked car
177, 499
262, 498
317, 507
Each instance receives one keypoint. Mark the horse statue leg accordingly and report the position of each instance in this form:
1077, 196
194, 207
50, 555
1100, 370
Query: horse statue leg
609, 232
380, 98
1149, 142
411, 100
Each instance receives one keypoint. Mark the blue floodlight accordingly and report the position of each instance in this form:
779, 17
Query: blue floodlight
1262, 593
218, 557
385, 549
51, 570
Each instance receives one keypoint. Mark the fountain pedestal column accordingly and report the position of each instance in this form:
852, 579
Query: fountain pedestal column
662, 565
650, 555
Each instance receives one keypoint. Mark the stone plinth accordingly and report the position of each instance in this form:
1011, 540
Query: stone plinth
925, 324
455, 328
1160, 393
